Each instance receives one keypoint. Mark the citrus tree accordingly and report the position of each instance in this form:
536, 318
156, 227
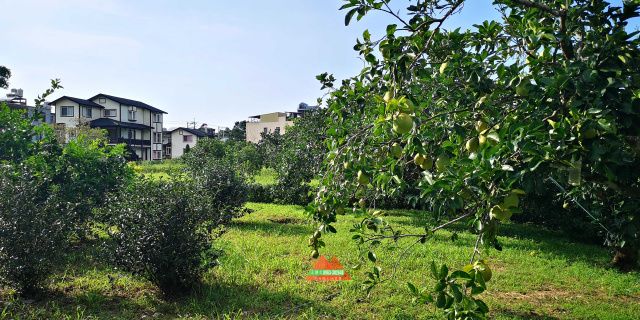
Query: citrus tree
475, 119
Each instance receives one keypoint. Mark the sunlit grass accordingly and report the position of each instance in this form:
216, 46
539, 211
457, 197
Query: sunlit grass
265, 258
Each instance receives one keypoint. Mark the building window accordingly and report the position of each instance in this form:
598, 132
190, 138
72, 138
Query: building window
157, 138
86, 112
102, 100
66, 112
157, 117
132, 115
132, 134
187, 138
265, 130
110, 112
157, 155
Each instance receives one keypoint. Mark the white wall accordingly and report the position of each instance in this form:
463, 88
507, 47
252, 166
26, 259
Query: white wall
67, 121
178, 144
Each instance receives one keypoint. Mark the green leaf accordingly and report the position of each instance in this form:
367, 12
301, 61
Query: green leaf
391, 29
476, 290
460, 275
444, 271
349, 15
413, 288
372, 257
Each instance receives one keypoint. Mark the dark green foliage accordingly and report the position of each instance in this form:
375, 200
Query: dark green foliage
187, 149
217, 176
5, 74
162, 230
34, 228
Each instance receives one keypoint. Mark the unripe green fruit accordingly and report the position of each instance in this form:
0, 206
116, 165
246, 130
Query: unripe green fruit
406, 107
317, 234
418, 159
315, 254
322, 208
481, 126
589, 134
363, 179
340, 210
403, 123
442, 162
500, 214
396, 150
362, 203
482, 139
472, 144
521, 90
511, 201
427, 163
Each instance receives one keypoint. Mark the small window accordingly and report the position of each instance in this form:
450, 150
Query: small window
157, 155
86, 112
265, 130
110, 112
157, 138
66, 112
132, 115
187, 138
157, 117
102, 100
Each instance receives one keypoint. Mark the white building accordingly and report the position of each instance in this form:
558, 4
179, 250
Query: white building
181, 137
134, 123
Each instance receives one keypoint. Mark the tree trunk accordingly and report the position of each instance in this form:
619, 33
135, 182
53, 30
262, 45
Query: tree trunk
626, 259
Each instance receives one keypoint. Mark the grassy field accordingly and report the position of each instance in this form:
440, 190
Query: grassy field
539, 275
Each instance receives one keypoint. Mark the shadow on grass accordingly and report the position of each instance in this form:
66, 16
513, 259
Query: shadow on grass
512, 314
215, 300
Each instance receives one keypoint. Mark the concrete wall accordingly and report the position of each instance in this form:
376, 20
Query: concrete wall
276, 120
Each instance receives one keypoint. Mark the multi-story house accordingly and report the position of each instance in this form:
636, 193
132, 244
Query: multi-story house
134, 123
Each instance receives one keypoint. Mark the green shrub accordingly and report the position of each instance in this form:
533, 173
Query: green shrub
34, 228
218, 178
161, 231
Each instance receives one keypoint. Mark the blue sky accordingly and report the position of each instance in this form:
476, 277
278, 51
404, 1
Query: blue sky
213, 61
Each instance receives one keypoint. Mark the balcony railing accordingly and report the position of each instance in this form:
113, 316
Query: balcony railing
131, 142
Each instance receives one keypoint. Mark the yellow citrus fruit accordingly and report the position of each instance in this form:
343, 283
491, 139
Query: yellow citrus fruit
481, 126
418, 159
443, 67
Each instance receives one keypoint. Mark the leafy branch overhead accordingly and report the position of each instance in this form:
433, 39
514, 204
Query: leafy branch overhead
473, 121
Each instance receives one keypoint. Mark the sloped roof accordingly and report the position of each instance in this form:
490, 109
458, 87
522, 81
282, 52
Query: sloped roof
128, 102
79, 101
196, 132
110, 123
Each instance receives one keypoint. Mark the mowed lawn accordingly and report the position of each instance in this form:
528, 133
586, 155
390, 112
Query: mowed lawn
539, 275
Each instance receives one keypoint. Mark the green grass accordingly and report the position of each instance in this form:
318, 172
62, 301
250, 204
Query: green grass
540, 274
265, 176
